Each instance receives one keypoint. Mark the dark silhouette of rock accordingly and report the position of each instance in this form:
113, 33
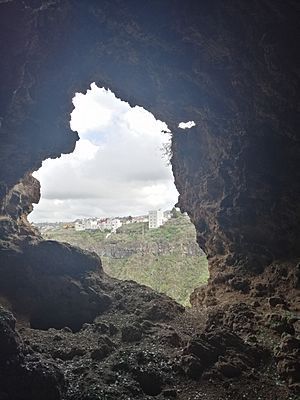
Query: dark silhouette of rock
233, 68
22, 375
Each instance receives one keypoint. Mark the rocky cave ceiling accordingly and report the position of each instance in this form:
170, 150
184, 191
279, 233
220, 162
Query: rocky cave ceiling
232, 67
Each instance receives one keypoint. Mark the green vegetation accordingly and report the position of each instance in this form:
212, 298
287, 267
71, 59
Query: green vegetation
167, 259
174, 275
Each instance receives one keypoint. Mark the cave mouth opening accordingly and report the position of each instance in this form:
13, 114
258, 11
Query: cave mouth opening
99, 197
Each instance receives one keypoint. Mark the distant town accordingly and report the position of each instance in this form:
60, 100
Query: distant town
155, 219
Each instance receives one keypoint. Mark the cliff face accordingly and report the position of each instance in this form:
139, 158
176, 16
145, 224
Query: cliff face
166, 259
232, 67
233, 169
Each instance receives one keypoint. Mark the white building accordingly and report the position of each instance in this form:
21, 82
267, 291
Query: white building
156, 219
91, 224
167, 215
115, 224
86, 224
79, 226
109, 224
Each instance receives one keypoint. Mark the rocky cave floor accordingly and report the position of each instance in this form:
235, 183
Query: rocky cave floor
147, 346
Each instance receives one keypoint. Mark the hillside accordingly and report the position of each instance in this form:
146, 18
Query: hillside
167, 259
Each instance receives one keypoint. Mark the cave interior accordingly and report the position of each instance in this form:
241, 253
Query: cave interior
69, 331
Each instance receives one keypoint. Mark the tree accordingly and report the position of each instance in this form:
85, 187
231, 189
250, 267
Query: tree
175, 213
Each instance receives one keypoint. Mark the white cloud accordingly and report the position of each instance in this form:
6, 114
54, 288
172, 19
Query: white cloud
186, 125
117, 167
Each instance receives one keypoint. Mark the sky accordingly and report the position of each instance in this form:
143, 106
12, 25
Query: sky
118, 167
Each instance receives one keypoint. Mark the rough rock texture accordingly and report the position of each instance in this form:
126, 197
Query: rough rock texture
52, 284
24, 375
128, 354
233, 68
235, 170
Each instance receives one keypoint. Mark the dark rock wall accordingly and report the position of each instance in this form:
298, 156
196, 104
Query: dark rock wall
238, 170
232, 67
